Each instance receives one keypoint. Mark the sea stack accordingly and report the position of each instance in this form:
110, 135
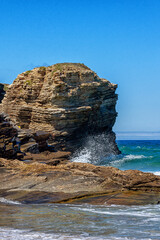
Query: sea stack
68, 100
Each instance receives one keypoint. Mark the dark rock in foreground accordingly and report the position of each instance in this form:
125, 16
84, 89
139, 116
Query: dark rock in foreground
76, 183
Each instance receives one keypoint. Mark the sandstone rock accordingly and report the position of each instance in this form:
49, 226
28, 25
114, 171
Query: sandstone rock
55, 162
31, 147
27, 140
41, 138
67, 100
76, 183
48, 157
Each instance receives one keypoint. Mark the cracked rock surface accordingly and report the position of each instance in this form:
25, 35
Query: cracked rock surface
68, 100
36, 182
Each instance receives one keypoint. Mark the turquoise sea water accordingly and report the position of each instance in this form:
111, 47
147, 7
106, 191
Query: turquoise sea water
142, 155
86, 222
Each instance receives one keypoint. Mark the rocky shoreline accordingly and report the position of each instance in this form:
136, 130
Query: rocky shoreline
51, 177
52, 110
70, 182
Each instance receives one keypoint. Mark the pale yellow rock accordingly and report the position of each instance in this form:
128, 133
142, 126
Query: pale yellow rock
63, 99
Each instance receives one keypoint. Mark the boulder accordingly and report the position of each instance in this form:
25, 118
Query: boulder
31, 147
29, 141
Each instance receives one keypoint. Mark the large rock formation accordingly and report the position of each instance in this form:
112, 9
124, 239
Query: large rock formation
67, 100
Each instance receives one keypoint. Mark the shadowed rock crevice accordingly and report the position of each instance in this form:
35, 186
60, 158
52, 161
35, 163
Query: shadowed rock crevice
3, 88
33, 145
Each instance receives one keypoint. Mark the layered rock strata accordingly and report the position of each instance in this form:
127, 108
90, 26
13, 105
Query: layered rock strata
76, 183
35, 143
67, 100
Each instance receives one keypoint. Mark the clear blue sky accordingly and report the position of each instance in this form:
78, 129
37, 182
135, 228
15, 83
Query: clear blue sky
118, 39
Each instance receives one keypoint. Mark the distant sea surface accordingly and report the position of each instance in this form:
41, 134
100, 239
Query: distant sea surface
86, 222
142, 155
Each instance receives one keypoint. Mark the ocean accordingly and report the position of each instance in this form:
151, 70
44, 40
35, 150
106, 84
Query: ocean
143, 155
88, 222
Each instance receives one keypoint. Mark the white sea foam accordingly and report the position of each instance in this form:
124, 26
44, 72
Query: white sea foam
155, 173
91, 155
4, 200
120, 160
96, 147
130, 157
10, 234
83, 156
122, 212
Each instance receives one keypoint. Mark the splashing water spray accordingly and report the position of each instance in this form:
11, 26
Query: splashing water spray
95, 149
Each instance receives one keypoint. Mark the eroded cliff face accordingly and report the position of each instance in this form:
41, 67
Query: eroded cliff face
68, 100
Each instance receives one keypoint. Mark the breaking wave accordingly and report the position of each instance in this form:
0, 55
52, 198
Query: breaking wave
87, 156
156, 173
119, 160
10, 234
152, 212
135, 155
4, 200
95, 149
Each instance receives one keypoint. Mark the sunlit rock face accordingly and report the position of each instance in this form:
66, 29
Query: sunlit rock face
68, 100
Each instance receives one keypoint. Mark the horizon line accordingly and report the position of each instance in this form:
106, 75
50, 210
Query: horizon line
137, 131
